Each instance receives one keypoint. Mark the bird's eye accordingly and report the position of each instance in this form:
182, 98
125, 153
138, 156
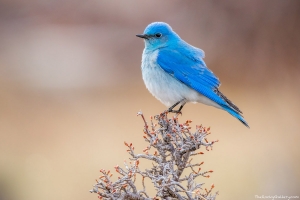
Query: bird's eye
158, 35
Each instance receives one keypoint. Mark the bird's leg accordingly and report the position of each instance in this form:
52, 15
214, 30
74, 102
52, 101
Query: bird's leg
181, 106
183, 102
171, 108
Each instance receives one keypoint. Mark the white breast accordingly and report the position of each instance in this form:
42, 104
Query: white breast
164, 86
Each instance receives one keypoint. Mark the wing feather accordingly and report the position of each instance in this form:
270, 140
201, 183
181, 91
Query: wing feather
188, 67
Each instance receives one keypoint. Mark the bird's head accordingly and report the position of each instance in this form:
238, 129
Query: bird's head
158, 35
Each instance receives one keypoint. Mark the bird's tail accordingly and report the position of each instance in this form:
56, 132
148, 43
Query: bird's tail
236, 115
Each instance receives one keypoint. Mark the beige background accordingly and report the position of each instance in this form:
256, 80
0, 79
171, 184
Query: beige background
70, 87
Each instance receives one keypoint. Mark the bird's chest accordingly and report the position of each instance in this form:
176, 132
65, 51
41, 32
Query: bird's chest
161, 84
153, 75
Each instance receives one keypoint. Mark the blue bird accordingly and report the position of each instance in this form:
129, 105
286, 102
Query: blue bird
175, 72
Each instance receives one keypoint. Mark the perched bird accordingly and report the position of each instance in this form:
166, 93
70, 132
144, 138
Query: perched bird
175, 72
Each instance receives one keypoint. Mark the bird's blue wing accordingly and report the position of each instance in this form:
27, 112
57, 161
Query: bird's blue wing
192, 71
187, 66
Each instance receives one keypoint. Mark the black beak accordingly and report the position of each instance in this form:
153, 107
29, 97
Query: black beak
144, 36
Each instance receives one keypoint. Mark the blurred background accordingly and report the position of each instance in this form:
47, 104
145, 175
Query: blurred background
71, 85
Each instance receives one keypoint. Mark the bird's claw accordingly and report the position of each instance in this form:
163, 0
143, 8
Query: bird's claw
175, 111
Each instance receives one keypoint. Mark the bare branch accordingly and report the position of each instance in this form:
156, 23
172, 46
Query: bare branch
173, 145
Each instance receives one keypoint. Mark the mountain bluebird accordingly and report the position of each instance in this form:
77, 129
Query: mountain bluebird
175, 72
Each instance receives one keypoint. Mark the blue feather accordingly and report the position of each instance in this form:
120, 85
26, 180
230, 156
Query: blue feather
196, 75
174, 70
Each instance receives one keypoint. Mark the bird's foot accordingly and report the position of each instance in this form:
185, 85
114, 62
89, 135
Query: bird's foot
170, 110
174, 111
